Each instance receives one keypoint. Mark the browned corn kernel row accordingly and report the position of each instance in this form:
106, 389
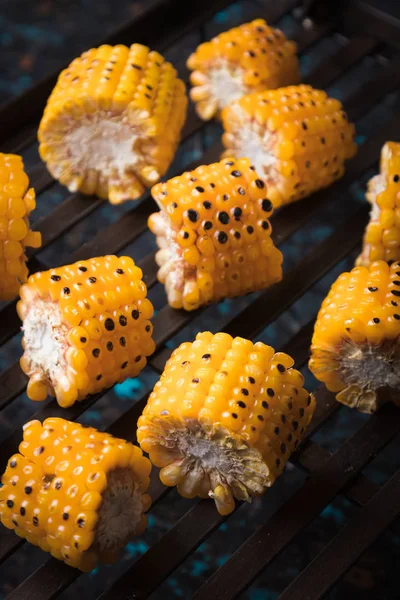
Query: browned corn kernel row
249, 58
86, 326
17, 201
214, 234
230, 433
297, 138
112, 123
75, 492
355, 349
382, 236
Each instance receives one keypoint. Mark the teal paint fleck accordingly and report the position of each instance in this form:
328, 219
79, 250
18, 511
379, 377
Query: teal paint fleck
129, 388
221, 560
173, 582
223, 16
198, 567
330, 512
137, 548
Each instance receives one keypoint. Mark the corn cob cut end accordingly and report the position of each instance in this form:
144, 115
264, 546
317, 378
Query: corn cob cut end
17, 201
112, 123
355, 350
249, 58
86, 326
382, 235
242, 414
296, 137
214, 235
366, 372
75, 492
121, 515
206, 461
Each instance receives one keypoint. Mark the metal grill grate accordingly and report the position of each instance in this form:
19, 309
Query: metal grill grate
329, 475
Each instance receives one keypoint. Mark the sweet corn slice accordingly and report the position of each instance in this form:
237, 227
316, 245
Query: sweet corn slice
250, 58
297, 138
75, 492
112, 123
17, 201
355, 349
224, 418
382, 235
214, 235
86, 326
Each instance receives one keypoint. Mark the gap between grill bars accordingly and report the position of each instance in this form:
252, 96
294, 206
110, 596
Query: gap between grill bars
329, 475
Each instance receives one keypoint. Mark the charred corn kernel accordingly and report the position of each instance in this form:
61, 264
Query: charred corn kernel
229, 435
51, 493
250, 58
17, 201
355, 349
224, 418
297, 138
86, 326
382, 235
214, 234
112, 123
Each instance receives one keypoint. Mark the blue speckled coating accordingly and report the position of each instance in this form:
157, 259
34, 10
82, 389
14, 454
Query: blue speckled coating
36, 37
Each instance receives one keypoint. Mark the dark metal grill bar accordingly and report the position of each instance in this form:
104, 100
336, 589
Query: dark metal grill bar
356, 48
373, 20
183, 538
21, 140
159, 23
193, 123
269, 541
78, 206
349, 544
340, 239
194, 526
167, 321
123, 427
388, 79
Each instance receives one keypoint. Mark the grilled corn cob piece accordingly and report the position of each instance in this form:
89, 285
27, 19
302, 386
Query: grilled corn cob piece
297, 138
382, 236
214, 234
86, 326
250, 58
112, 123
75, 492
224, 418
17, 201
355, 349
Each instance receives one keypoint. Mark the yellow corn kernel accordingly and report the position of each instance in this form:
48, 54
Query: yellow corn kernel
244, 408
250, 58
112, 124
214, 221
382, 235
92, 322
17, 201
75, 492
355, 343
297, 138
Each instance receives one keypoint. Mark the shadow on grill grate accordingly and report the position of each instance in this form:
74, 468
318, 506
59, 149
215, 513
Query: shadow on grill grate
319, 237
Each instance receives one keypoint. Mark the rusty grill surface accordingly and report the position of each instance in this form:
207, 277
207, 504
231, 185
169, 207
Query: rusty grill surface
160, 24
